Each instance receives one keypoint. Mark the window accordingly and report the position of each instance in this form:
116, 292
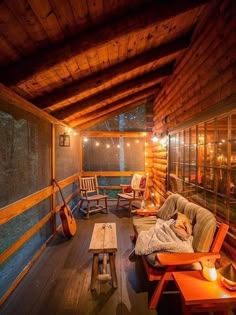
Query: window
203, 158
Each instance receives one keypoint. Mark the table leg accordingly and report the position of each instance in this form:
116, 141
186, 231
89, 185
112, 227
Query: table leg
94, 271
113, 269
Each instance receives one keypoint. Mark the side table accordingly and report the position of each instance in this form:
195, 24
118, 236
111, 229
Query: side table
199, 295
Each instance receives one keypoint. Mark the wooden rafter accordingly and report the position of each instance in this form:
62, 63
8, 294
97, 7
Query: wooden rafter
122, 103
151, 14
106, 97
98, 79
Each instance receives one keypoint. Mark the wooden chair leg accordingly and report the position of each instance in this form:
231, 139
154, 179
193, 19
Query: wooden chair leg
88, 210
159, 289
94, 271
118, 203
106, 205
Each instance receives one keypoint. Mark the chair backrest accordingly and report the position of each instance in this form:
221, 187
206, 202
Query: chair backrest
140, 182
88, 185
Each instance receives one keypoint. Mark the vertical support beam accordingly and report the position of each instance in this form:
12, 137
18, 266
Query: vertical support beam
53, 174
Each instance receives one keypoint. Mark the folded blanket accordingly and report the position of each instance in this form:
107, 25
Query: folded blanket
162, 237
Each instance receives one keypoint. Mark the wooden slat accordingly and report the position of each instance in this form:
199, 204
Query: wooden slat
150, 79
151, 14
11, 211
98, 80
121, 105
48, 21
13, 248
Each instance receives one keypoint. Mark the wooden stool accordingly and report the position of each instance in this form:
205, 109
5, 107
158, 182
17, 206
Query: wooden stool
103, 241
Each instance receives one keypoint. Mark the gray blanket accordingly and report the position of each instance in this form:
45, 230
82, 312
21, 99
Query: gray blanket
161, 237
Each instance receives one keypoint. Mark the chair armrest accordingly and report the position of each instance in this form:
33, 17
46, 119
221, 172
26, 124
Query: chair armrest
103, 188
173, 259
83, 189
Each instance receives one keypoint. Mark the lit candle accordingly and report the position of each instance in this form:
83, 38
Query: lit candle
209, 271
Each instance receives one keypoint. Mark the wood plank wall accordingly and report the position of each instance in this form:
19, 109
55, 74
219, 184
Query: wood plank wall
203, 79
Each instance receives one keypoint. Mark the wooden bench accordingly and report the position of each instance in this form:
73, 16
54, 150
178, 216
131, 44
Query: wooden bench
103, 242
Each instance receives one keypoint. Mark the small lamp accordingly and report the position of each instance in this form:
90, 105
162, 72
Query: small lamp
64, 140
209, 271
228, 277
155, 138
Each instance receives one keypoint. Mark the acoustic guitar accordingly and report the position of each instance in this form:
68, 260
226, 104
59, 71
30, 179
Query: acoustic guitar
67, 219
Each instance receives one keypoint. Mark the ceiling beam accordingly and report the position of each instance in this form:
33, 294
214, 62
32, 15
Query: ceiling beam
151, 14
129, 100
110, 95
86, 85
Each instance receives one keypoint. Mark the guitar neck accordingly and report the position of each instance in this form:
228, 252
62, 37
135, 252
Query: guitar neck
59, 188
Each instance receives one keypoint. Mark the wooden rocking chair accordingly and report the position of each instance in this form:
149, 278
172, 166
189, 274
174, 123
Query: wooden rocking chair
89, 193
137, 190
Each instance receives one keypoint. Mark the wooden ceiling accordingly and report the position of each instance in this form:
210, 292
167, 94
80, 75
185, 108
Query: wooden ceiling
84, 61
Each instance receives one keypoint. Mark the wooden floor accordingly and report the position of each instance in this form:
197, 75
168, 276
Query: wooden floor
59, 282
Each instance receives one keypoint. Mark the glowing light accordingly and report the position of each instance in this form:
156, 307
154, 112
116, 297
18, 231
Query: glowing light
85, 139
209, 271
97, 144
108, 146
118, 146
137, 141
128, 144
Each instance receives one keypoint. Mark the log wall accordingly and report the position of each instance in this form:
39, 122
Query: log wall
203, 80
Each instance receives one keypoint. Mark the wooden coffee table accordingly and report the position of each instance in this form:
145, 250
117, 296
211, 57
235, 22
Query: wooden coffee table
104, 242
200, 295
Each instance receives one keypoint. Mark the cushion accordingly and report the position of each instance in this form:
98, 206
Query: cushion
170, 205
181, 226
142, 184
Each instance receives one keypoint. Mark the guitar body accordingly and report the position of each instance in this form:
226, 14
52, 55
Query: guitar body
68, 221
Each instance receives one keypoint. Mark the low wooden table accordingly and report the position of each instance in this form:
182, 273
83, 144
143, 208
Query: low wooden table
199, 295
103, 241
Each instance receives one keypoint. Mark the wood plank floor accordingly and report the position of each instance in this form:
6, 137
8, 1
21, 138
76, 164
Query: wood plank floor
59, 282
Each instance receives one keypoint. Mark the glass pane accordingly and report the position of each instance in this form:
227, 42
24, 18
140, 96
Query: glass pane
221, 208
221, 154
193, 174
193, 152
221, 180
193, 135
201, 159
201, 134
186, 136
233, 155
209, 178
201, 176
222, 129
233, 185
232, 218
210, 131
173, 154
233, 128
210, 154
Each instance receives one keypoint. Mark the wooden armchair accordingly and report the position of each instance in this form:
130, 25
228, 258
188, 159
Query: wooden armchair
89, 193
207, 242
137, 190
